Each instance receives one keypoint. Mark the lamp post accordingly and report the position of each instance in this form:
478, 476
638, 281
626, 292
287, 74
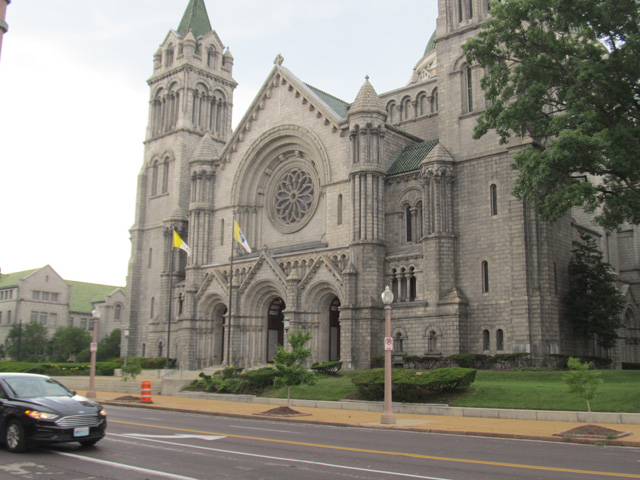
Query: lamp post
126, 344
95, 315
387, 418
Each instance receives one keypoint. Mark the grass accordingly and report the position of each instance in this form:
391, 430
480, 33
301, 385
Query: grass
535, 390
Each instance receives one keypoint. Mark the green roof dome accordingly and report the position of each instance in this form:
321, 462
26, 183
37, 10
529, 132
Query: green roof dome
431, 46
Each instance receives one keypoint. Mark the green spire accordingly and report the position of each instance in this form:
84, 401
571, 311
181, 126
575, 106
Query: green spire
195, 19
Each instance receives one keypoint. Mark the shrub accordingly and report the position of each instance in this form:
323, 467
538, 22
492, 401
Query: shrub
327, 368
509, 360
468, 360
422, 362
377, 361
630, 366
413, 385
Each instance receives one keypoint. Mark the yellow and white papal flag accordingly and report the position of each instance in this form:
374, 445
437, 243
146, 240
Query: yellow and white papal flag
239, 236
179, 243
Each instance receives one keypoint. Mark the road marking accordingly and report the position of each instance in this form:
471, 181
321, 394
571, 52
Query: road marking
177, 437
282, 459
265, 429
123, 466
398, 454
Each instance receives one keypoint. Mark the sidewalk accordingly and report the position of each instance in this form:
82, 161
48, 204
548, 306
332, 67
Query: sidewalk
620, 434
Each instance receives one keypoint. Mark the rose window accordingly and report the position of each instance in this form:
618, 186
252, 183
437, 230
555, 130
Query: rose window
294, 196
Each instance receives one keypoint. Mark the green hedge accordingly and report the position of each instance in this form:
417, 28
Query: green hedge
413, 385
234, 380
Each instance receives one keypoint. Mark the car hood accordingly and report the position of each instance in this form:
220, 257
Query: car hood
64, 406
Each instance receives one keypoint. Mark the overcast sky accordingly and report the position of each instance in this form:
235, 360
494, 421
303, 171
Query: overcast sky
74, 103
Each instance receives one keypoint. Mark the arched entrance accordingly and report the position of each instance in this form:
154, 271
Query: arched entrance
275, 327
334, 330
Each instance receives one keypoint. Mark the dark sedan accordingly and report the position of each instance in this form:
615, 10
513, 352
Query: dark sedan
37, 409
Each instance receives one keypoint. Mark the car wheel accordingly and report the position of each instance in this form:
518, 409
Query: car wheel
89, 443
14, 437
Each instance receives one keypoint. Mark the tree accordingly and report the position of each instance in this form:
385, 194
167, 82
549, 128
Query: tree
566, 75
581, 380
290, 369
109, 346
30, 338
593, 304
68, 342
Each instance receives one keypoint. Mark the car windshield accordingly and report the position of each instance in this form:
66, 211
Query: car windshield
36, 387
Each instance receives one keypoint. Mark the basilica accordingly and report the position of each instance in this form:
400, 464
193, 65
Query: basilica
337, 199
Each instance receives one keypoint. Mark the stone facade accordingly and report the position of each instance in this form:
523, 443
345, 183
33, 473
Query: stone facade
338, 200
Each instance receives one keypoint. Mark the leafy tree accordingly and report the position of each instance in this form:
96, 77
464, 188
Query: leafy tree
31, 338
290, 369
566, 74
594, 304
581, 380
109, 346
68, 342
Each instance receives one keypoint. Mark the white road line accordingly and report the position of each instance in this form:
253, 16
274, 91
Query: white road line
264, 429
282, 459
124, 466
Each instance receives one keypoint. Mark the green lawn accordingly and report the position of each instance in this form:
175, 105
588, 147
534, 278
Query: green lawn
537, 390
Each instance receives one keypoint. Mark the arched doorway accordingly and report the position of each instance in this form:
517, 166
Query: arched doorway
275, 327
334, 330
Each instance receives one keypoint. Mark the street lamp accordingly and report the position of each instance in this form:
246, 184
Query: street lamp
95, 315
387, 418
126, 344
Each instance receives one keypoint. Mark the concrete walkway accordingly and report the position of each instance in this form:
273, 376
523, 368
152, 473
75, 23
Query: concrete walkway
628, 434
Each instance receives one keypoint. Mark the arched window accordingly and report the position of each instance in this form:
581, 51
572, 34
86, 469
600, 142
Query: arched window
165, 176
154, 178
499, 339
222, 232
485, 277
153, 301
412, 284
432, 342
117, 313
150, 258
398, 343
144, 349
486, 340
407, 222
406, 108
212, 56
339, 210
394, 286
493, 194
434, 100
168, 56
422, 103
160, 350
467, 88
392, 111
465, 10
419, 226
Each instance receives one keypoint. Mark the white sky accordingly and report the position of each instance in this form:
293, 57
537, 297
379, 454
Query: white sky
74, 103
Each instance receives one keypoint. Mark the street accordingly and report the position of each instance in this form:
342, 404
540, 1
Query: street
153, 444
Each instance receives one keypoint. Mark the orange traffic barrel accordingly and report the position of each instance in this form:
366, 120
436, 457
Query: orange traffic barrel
145, 393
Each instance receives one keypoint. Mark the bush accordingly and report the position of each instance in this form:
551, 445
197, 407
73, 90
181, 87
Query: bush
327, 368
423, 362
377, 361
232, 380
509, 360
413, 385
630, 366
469, 360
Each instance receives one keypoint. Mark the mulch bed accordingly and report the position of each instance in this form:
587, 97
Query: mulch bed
283, 412
593, 431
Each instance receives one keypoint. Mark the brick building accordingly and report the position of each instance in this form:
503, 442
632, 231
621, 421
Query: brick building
337, 200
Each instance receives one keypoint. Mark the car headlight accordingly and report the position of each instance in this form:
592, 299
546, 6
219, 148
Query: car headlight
41, 415
103, 412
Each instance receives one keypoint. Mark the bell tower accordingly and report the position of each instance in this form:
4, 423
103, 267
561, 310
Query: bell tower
191, 97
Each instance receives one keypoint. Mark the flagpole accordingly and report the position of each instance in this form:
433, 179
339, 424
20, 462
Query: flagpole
233, 224
170, 298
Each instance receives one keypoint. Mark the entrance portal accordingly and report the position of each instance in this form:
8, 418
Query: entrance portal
275, 327
334, 330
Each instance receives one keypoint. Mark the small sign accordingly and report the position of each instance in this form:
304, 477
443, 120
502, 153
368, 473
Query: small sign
93, 347
388, 343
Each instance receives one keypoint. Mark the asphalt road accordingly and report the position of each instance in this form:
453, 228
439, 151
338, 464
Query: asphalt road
151, 444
